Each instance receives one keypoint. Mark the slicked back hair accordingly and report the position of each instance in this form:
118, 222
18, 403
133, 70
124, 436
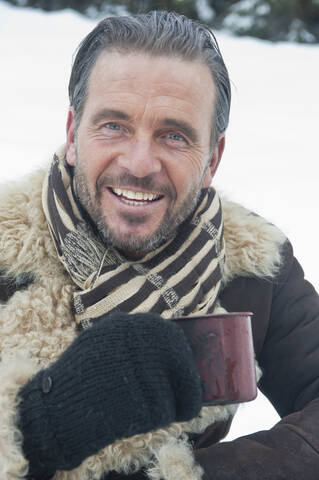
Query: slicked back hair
156, 33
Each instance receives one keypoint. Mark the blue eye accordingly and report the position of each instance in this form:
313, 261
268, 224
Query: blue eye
113, 126
175, 136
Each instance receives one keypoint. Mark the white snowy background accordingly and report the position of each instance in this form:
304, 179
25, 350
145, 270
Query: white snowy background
271, 162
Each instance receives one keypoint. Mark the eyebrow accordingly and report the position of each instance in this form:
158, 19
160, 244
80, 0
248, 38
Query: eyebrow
107, 113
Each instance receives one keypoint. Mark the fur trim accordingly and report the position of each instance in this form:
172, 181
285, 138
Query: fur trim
25, 241
39, 319
253, 245
175, 461
15, 371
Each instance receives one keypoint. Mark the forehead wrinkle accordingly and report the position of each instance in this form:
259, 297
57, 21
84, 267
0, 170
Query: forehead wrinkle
155, 89
179, 93
114, 93
116, 66
156, 83
181, 99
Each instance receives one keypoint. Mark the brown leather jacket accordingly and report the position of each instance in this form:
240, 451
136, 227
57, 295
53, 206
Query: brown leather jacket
286, 339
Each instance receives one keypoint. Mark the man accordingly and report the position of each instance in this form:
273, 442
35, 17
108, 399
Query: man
122, 234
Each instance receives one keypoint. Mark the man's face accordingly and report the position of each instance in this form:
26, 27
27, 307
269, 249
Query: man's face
142, 148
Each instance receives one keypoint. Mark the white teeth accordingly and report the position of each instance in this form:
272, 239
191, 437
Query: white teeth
131, 202
129, 194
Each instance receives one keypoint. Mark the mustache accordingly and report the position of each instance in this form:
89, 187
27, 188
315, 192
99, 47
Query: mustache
129, 180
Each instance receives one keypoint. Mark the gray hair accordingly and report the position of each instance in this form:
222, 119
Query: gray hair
156, 33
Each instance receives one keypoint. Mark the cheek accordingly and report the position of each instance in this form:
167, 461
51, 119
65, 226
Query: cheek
186, 172
182, 182
98, 157
90, 164
86, 175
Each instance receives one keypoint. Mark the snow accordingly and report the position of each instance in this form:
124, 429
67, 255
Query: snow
271, 159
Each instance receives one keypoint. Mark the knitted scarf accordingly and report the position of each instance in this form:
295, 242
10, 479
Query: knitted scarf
181, 277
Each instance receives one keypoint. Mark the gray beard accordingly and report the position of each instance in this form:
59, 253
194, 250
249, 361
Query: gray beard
134, 247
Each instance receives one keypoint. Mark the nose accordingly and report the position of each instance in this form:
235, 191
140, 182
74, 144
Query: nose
139, 158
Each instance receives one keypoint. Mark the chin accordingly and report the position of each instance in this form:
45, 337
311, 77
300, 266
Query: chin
137, 246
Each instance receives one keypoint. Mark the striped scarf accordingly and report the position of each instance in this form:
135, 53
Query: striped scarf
181, 277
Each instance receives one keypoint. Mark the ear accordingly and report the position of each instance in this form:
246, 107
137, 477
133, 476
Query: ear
70, 134
216, 158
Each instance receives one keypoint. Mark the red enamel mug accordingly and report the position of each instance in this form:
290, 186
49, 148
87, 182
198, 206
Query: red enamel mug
224, 354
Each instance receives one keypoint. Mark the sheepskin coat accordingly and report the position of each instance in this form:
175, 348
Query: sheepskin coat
261, 275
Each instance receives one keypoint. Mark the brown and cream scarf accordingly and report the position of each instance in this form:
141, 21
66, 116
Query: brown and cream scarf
181, 277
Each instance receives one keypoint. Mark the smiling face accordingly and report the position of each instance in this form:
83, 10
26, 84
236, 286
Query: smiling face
142, 148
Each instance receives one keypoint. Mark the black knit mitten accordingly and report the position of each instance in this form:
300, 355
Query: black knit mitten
127, 374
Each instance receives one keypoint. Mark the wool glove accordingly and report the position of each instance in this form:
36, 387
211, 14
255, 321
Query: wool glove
128, 374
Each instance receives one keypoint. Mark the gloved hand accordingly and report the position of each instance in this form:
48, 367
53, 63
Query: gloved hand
127, 374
